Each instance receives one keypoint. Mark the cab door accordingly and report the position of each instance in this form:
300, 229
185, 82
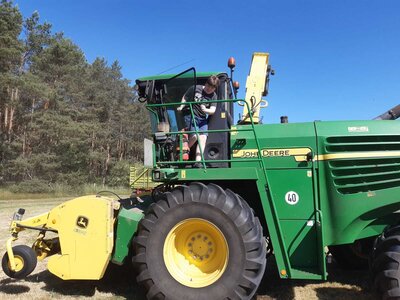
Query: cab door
287, 151
293, 195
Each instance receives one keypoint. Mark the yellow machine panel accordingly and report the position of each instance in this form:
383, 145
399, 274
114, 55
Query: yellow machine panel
255, 86
85, 228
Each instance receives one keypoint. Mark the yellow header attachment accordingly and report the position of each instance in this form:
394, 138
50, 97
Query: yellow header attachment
85, 227
255, 87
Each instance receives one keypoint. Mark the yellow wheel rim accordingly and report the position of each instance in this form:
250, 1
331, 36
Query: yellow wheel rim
196, 253
19, 263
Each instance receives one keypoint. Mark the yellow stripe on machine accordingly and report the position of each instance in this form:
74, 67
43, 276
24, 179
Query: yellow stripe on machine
300, 154
370, 154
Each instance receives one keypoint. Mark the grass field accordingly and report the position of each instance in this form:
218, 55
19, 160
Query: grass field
119, 282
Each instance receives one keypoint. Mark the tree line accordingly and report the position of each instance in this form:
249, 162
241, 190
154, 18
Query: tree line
62, 119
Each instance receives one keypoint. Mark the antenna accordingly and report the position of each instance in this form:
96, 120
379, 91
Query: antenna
169, 69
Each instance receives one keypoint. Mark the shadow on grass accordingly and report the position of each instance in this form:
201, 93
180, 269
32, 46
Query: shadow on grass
272, 287
13, 287
121, 280
342, 293
118, 281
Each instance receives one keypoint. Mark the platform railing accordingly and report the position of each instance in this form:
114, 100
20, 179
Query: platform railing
140, 178
197, 132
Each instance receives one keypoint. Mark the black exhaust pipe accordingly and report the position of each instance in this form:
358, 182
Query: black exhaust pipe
391, 114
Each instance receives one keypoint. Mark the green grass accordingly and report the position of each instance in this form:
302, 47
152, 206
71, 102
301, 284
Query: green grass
60, 191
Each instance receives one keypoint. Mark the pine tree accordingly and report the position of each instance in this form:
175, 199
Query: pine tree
61, 118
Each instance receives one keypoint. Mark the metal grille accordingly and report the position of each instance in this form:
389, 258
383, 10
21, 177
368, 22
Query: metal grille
357, 175
362, 143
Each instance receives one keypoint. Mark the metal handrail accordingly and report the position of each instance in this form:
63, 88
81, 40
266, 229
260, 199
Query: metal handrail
196, 131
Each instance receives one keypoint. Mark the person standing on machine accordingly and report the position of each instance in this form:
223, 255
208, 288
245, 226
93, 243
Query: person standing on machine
200, 111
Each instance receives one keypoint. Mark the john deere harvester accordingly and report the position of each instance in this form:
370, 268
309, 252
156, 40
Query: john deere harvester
298, 191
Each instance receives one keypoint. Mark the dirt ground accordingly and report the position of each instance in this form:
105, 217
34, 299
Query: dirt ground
119, 282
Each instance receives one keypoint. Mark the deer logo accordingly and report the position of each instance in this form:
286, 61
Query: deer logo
82, 222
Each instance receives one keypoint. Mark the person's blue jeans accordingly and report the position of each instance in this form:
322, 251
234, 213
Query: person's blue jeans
201, 123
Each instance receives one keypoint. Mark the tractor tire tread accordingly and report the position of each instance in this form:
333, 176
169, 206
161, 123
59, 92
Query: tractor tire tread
385, 266
233, 207
29, 259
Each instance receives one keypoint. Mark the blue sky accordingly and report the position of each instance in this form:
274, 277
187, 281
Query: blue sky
334, 60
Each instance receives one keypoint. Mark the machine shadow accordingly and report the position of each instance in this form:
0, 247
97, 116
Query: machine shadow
13, 288
342, 293
118, 280
273, 287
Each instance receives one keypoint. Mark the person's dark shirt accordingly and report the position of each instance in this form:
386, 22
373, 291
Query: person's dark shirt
199, 95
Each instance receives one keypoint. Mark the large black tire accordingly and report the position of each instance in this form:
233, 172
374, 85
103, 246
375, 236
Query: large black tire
26, 261
353, 256
385, 266
232, 217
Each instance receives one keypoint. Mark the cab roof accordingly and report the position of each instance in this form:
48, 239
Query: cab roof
186, 75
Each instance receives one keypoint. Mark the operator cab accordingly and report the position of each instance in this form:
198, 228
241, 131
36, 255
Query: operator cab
163, 95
